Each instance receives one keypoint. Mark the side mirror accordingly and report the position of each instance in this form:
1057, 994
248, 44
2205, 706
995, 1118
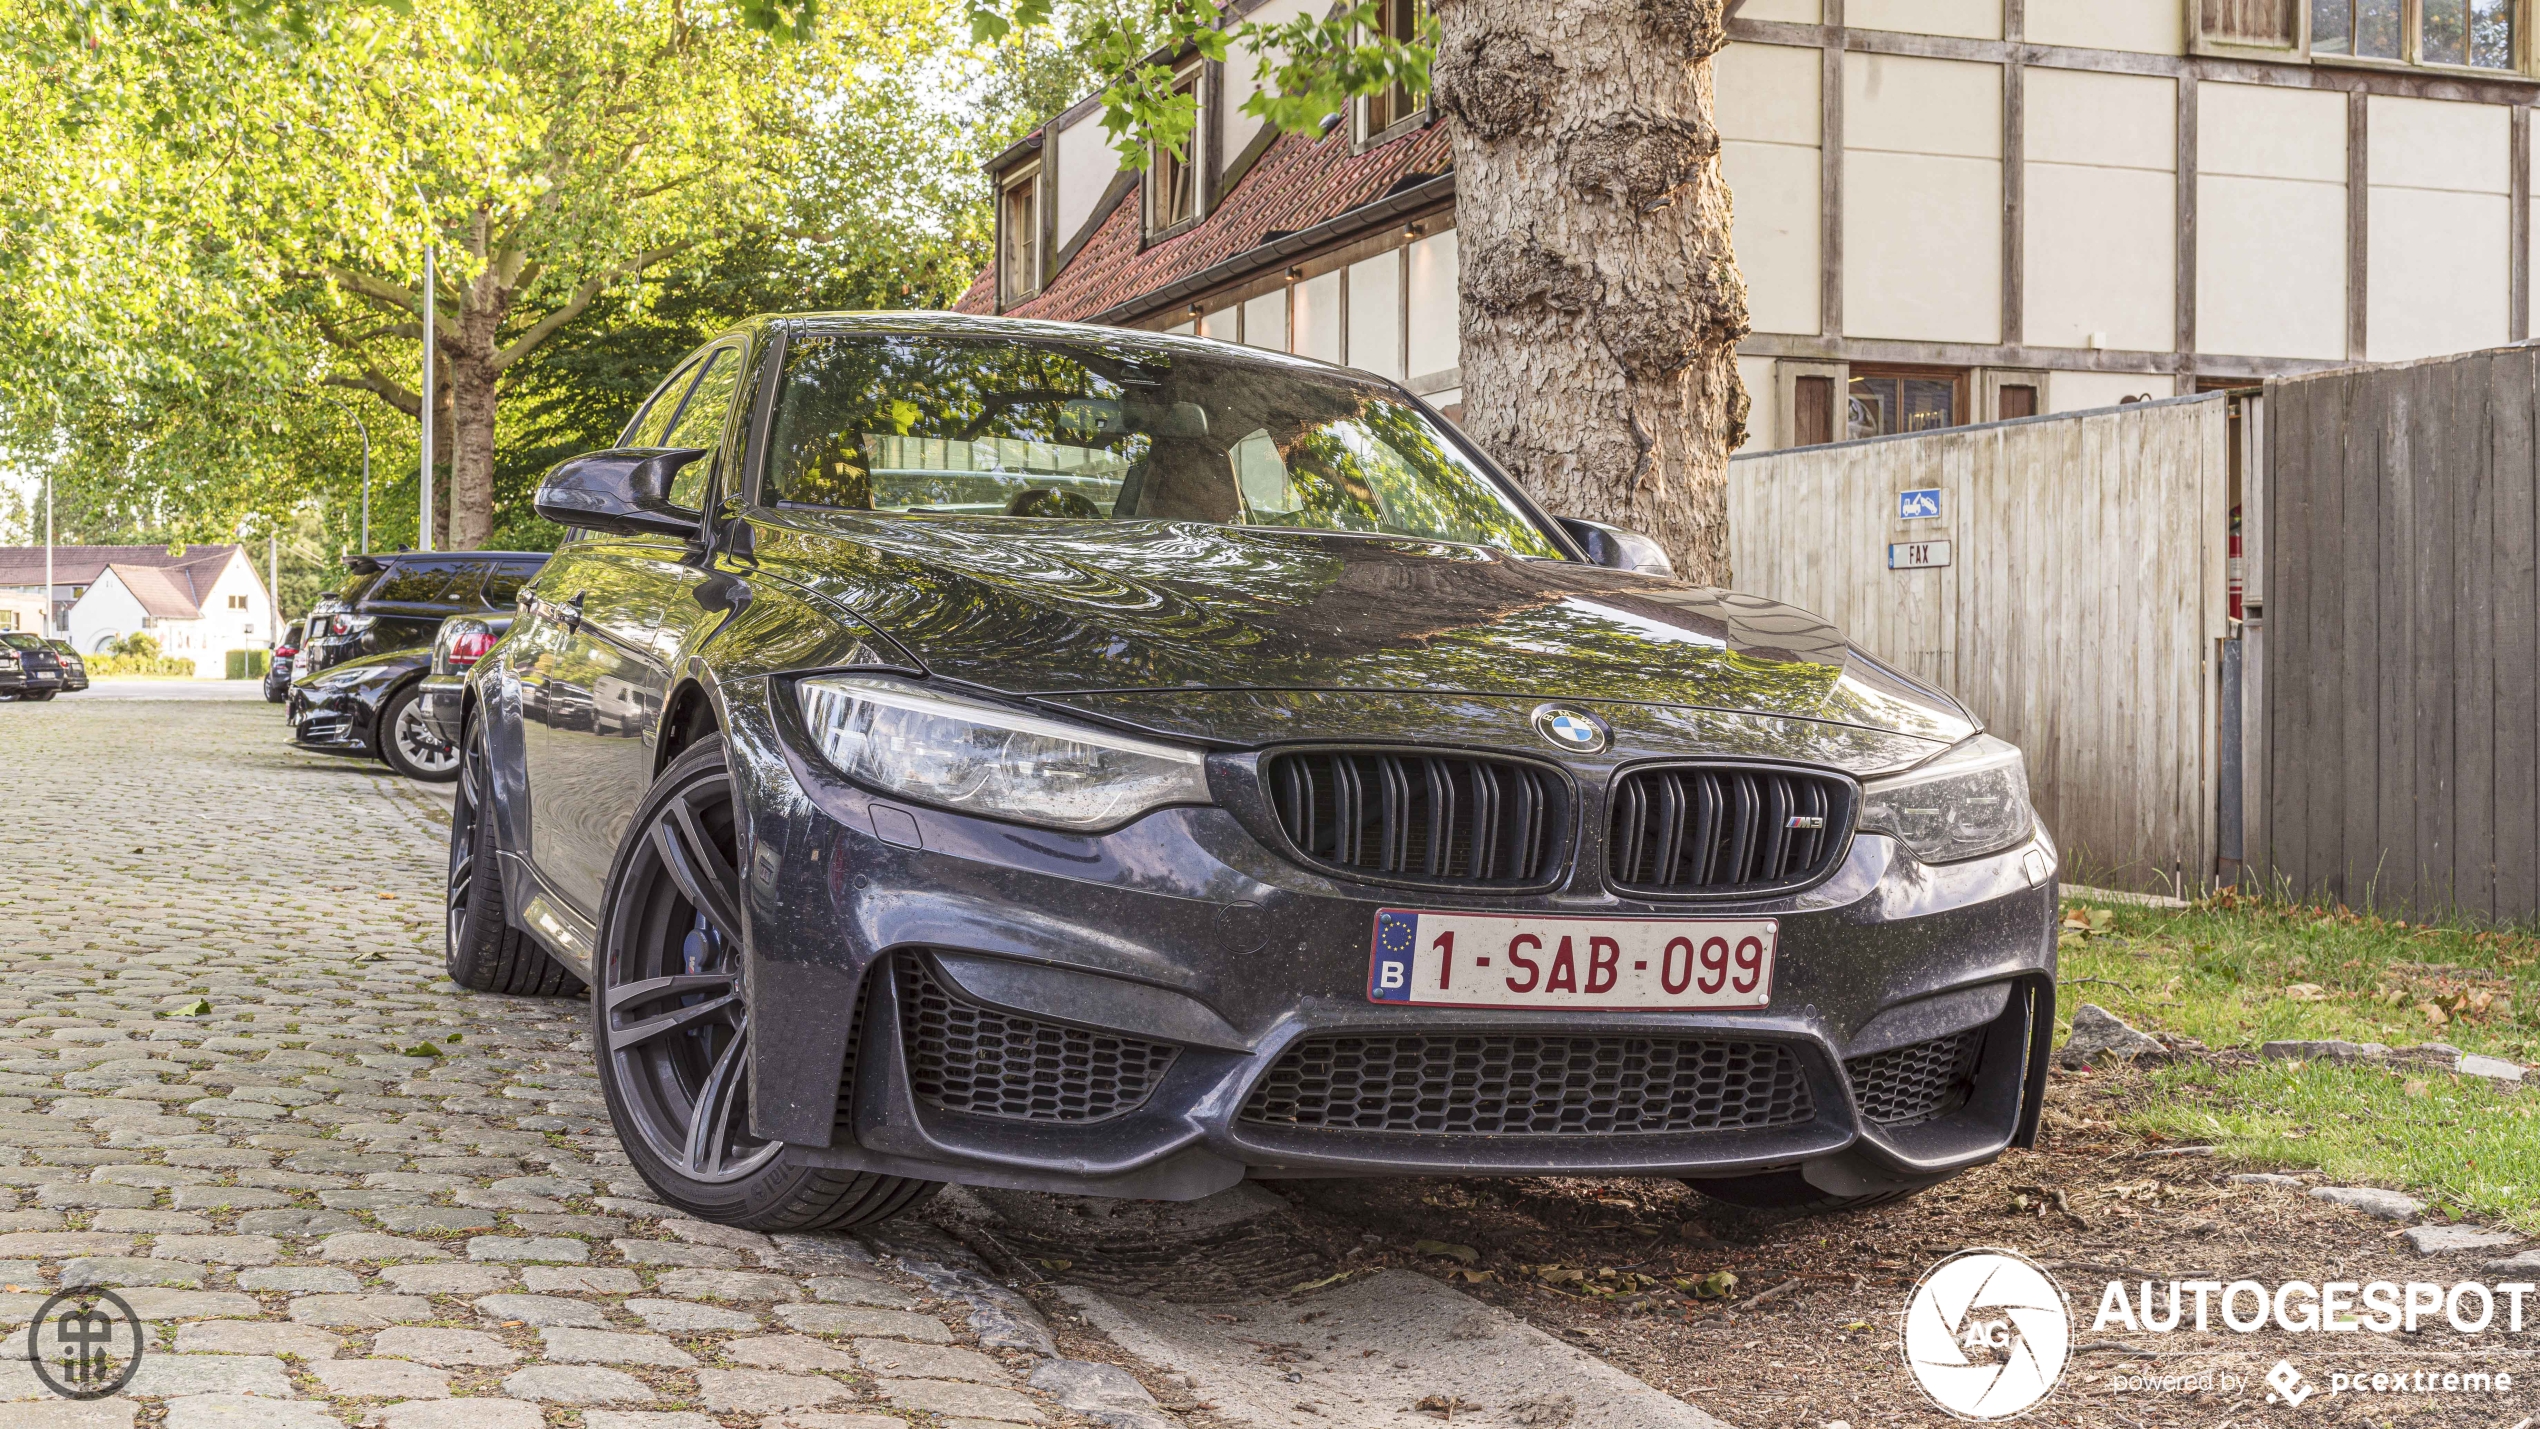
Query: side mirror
626, 491
1620, 549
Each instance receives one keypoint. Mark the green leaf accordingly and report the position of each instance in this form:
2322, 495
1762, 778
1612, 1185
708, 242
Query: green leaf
422, 1049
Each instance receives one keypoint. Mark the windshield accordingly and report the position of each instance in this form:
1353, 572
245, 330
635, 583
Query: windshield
22, 642
1120, 430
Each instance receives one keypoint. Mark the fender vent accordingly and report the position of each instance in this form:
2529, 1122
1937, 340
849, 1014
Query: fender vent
967, 1058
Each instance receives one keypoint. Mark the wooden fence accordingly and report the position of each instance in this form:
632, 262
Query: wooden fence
2402, 748
2077, 616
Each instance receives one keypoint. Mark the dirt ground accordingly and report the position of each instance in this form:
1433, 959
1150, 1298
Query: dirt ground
1599, 1263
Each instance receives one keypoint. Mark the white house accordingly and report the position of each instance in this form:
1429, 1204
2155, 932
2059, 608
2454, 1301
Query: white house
199, 602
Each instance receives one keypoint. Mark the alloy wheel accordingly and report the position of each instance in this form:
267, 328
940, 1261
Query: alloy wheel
673, 1019
467, 805
426, 751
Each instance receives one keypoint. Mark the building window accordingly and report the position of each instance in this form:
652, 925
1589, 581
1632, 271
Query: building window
1886, 401
1401, 22
1019, 237
2472, 34
1173, 179
2261, 24
239, 602
2016, 400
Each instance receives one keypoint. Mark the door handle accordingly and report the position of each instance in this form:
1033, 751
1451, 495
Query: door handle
571, 612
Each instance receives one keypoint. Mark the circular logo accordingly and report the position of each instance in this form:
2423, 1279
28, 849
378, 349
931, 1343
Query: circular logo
1987, 1333
85, 1344
1573, 730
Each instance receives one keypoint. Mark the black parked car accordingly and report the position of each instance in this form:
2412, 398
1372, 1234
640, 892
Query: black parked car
398, 602
74, 669
29, 668
360, 700
278, 674
464, 640
1126, 764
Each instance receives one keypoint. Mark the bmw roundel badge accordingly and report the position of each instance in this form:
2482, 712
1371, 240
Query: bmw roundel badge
1572, 729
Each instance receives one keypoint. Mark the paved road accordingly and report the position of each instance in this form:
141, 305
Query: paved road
219, 956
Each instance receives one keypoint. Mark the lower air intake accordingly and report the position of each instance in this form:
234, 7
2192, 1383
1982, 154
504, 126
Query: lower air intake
1511, 1085
967, 1058
1917, 1082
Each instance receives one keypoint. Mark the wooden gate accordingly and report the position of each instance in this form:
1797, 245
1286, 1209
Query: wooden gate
2403, 636
2077, 614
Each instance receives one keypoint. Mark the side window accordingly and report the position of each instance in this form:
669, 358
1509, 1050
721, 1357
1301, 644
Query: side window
466, 582
648, 427
502, 588
700, 424
410, 582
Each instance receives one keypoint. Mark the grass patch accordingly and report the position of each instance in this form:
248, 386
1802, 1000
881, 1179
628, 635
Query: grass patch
2233, 973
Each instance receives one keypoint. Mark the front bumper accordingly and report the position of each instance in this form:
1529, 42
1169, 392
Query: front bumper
332, 720
961, 999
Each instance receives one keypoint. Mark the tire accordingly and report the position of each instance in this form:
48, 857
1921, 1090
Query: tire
484, 951
1792, 1193
674, 1056
407, 743
37, 697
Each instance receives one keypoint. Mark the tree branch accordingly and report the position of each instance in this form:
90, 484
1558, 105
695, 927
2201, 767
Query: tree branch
378, 290
389, 392
591, 288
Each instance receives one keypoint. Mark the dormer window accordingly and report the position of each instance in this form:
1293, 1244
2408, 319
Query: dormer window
1019, 236
1173, 196
1398, 105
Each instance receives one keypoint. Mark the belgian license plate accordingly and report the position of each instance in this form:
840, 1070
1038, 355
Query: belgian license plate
1612, 964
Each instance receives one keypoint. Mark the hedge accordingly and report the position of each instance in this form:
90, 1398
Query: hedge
106, 667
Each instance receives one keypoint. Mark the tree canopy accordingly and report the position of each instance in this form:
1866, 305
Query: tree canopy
212, 221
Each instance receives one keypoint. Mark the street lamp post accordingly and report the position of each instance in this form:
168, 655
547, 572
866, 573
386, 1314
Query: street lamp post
48, 553
423, 542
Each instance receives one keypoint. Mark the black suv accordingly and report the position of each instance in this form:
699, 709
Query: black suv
360, 663
398, 602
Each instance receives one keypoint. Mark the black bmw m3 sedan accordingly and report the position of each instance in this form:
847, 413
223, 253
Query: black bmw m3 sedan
1063, 758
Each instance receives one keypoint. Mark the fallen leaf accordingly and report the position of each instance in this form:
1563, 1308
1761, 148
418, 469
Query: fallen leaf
1464, 1254
199, 1007
2433, 1013
388, 895
2415, 1087
1717, 1285
2306, 992
1056, 1264
423, 1049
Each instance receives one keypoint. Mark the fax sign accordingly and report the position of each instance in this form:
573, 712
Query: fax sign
1917, 555
1923, 505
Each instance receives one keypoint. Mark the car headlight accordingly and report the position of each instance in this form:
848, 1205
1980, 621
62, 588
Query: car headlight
978, 758
1969, 802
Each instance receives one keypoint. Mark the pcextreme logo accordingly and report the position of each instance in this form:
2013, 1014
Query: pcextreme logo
1987, 1333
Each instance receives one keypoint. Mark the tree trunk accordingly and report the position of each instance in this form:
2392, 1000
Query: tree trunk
473, 376
1601, 304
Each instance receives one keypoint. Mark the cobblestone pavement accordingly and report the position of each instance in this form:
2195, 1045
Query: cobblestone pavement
235, 1085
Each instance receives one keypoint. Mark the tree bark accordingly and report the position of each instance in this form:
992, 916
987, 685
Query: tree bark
1601, 305
473, 349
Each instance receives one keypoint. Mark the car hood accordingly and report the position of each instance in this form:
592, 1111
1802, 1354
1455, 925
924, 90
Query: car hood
1060, 608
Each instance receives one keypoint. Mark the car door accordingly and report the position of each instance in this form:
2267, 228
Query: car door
591, 759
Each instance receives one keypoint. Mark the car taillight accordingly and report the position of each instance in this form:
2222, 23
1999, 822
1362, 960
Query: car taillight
469, 646
286, 652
